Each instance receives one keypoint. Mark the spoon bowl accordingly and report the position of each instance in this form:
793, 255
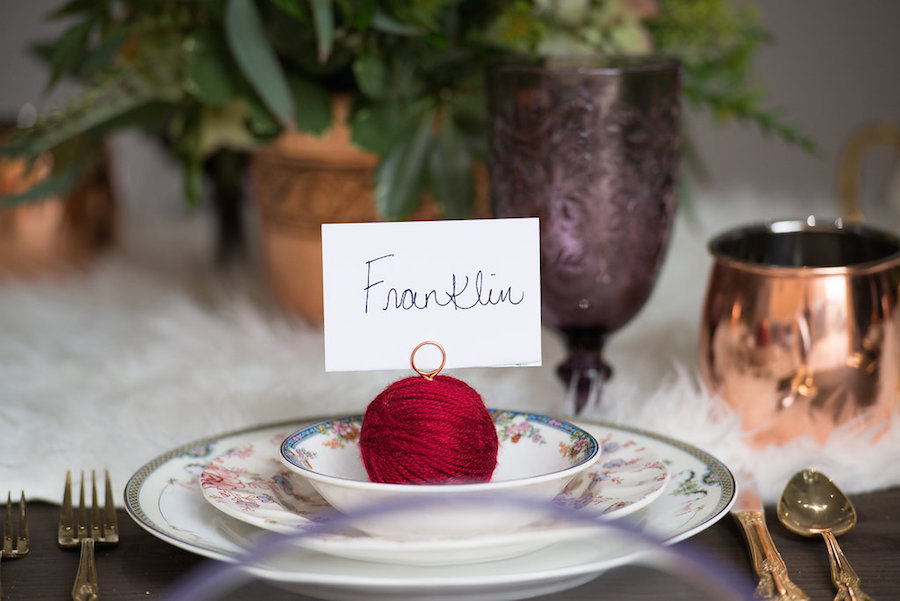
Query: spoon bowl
812, 504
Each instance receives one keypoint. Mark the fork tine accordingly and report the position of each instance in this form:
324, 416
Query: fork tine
22, 542
65, 533
7, 527
110, 523
95, 508
82, 512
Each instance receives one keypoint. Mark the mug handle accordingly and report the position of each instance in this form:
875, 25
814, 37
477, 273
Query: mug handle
880, 133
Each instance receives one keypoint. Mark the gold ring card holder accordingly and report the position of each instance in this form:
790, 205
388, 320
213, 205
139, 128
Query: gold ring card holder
861, 141
430, 374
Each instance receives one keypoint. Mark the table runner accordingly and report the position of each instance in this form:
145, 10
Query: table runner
154, 346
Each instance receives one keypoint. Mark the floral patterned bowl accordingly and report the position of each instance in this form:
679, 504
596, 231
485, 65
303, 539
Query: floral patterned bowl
538, 456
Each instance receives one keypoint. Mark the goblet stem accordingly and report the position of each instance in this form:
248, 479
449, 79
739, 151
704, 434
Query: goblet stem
583, 393
584, 371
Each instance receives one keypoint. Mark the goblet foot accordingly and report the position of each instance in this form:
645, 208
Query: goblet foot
583, 373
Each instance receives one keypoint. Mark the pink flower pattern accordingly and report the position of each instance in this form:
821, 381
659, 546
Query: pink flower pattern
631, 467
630, 471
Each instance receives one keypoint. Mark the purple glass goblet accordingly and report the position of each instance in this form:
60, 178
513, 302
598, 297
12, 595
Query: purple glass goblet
591, 146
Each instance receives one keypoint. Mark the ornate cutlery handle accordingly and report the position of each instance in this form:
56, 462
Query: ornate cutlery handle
774, 584
86, 587
842, 574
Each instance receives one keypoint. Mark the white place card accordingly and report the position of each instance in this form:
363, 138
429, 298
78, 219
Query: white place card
473, 286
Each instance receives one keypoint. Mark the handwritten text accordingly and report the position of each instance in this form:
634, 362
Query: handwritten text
461, 293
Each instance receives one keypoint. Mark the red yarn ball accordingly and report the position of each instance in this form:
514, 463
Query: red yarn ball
428, 432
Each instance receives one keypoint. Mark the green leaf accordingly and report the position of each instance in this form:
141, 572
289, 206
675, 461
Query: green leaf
116, 94
187, 143
260, 121
385, 23
193, 181
470, 112
256, 59
208, 73
151, 117
400, 178
426, 14
292, 8
313, 108
57, 184
102, 55
323, 21
365, 12
371, 75
68, 50
450, 172
378, 127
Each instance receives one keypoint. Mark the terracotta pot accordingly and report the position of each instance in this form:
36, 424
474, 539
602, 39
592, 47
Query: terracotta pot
56, 233
300, 182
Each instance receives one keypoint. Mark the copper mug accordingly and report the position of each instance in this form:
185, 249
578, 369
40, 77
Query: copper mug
800, 330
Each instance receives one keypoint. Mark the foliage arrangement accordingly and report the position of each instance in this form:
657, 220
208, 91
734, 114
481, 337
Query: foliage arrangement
215, 78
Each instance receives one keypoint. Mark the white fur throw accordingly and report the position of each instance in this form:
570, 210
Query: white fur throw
154, 346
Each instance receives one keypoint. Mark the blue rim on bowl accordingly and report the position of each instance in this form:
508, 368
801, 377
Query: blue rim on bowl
584, 450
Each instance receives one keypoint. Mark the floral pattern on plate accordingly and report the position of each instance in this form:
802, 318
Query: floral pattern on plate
164, 497
514, 431
627, 477
250, 484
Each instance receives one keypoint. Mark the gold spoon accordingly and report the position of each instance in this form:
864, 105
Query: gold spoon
812, 504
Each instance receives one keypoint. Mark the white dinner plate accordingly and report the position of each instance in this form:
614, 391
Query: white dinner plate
164, 497
251, 484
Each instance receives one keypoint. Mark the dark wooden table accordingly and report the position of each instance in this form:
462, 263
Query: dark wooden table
144, 567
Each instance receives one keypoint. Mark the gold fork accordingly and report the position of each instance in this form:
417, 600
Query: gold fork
86, 532
20, 549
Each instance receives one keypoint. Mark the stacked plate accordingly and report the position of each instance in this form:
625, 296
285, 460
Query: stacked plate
220, 496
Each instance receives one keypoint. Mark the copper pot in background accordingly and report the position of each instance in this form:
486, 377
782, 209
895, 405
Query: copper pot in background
55, 233
800, 329
301, 181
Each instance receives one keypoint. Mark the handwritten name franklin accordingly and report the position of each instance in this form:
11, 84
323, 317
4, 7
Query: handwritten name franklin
461, 293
